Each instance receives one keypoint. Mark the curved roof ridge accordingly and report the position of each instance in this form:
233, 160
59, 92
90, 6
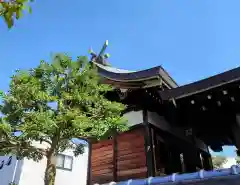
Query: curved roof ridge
120, 75
114, 69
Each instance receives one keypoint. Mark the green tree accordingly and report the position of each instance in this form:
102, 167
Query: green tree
54, 103
11, 10
218, 161
238, 160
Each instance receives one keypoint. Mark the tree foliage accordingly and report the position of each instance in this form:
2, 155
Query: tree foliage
238, 160
54, 103
11, 10
218, 161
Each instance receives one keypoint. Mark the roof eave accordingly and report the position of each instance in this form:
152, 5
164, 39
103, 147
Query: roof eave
202, 85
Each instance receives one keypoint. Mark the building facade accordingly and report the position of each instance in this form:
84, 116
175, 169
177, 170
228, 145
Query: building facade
171, 126
171, 129
70, 170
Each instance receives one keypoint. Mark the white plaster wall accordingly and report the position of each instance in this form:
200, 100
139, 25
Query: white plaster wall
78, 175
7, 172
134, 117
33, 172
29, 172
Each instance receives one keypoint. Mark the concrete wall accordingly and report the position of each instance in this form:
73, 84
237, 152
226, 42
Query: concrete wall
78, 176
29, 172
33, 172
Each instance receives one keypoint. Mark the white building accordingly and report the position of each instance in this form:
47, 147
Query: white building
70, 170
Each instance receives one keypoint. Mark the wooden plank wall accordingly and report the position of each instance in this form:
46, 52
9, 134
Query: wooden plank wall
127, 161
102, 161
131, 158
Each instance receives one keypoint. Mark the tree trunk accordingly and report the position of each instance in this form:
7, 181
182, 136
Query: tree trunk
50, 172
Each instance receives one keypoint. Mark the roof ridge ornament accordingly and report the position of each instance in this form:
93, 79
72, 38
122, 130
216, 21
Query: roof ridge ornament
102, 57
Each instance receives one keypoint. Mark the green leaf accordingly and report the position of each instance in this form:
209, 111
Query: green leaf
30, 9
218, 161
10, 11
18, 14
55, 102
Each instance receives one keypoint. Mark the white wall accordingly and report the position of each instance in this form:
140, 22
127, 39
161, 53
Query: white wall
29, 172
33, 172
134, 117
78, 176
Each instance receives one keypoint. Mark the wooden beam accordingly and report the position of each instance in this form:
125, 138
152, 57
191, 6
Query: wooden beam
148, 145
153, 134
236, 131
174, 102
207, 161
89, 168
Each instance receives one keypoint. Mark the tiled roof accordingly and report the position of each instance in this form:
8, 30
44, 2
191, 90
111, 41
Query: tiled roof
216, 177
121, 75
231, 76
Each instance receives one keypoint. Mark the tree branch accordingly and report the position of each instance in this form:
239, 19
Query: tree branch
46, 141
8, 145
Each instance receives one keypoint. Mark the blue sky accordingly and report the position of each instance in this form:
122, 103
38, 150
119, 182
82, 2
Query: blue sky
191, 39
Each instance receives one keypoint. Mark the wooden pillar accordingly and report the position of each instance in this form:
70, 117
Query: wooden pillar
115, 178
210, 162
176, 164
154, 159
236, 131
199, 160
148, 145
192, 160
89, 170
189, 164
207, 161
183, 169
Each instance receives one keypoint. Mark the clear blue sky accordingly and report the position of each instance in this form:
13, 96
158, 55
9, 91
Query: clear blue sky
191, 39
